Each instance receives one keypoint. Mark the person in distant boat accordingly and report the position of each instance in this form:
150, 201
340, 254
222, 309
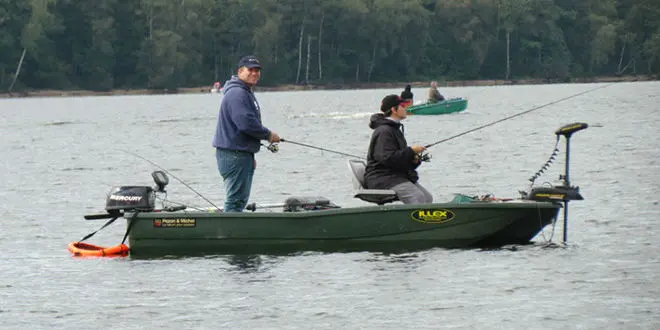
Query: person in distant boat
239, 133
434, 94
407, 95
391, 163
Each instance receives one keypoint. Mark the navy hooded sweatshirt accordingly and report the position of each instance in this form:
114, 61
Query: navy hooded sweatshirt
239, 121
390, 161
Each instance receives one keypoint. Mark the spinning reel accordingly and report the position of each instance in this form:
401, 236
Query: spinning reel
273, 147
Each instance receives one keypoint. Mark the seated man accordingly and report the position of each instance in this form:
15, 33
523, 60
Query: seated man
434, 94
391, 163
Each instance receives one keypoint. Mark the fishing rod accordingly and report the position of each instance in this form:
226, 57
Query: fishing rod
172, 175
427, 157
322, 149
515, 115
274, 148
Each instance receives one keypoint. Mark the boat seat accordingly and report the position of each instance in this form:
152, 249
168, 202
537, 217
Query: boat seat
378, 196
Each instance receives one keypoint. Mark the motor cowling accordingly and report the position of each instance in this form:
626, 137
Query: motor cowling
130, 199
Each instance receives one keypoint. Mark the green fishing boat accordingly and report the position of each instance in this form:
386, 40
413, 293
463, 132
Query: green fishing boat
439, 108
317, 227
317, 224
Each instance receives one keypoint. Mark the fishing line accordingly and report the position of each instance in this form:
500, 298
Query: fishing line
516, 115
172, 175
322, 149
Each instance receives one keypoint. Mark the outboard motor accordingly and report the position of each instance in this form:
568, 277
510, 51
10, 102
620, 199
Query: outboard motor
130, 198
136, 198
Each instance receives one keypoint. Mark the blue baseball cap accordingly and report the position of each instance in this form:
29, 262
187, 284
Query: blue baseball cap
249, 61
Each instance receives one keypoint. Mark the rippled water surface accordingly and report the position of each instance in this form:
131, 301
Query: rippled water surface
62, 155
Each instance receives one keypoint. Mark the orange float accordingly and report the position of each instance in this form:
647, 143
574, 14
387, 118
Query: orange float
80, 249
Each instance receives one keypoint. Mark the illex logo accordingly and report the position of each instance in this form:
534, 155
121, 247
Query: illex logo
432, 216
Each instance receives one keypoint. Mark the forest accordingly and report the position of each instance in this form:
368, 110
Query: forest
102, 45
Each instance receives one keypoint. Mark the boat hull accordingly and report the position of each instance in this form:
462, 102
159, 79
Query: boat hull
375, 228
439, 108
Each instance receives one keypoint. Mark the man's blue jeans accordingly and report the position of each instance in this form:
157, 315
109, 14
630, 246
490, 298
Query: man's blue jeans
237, 169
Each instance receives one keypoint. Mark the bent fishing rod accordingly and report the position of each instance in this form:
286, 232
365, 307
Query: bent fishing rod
515, 115
172, 175
426, 157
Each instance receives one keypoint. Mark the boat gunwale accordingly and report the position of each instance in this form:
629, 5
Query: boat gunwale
520, 204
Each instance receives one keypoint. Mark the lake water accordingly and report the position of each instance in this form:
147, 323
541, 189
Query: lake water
62, 155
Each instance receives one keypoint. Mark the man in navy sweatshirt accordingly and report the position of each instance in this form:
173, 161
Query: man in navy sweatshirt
239, 133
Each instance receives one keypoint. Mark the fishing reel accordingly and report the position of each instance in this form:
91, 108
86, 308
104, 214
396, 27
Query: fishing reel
425, 157
273, 147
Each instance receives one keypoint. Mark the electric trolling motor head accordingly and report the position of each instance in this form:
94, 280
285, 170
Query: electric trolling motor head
568, 130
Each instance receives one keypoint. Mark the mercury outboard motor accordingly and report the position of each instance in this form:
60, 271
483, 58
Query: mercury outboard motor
130, 198
136, 198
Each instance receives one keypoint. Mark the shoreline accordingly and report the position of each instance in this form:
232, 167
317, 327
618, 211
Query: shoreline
310, 87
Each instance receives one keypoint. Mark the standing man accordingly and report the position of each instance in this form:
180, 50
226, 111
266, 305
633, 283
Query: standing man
239, 133
391, 163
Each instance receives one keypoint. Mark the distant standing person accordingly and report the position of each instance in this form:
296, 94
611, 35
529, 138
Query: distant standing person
391, 163
239, 133
434, 94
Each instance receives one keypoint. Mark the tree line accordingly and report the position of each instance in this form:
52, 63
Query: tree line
114, 44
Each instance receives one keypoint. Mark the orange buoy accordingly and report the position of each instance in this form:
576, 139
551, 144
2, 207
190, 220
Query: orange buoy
80, 249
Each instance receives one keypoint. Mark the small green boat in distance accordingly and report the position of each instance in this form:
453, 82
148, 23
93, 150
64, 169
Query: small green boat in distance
439, 108
316, 224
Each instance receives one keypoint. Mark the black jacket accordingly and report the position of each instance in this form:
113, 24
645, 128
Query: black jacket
389, 160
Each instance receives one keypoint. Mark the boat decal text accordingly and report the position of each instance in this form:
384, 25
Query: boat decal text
126, 198
175, 223
432, 215
551, 196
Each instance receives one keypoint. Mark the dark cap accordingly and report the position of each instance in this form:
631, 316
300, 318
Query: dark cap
249, 61
389, 102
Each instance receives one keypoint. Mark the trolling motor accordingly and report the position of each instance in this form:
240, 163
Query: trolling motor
564, 192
